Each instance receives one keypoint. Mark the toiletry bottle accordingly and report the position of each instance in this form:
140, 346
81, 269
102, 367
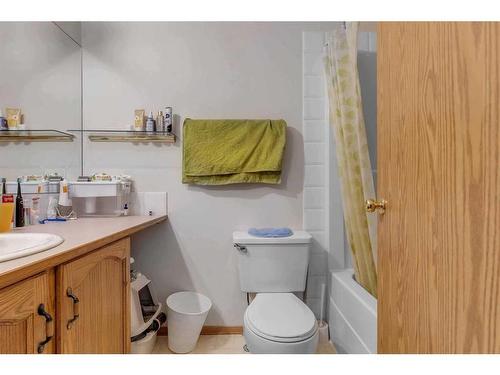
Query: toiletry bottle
139, 120
13, 118
168, 119
35, 210
52, 209
6, 212
3, 122
160, 122
19, 206
150, 123
65, 205
27, 212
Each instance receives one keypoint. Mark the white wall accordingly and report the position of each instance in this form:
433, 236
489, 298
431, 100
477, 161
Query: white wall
202, 70
40, 73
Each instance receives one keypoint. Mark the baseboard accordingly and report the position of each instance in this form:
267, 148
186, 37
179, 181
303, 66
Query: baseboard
211, 330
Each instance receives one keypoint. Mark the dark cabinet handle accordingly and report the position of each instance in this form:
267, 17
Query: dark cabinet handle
76, 308
49, 327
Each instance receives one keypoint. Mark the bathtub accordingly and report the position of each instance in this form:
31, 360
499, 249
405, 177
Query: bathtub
352, 315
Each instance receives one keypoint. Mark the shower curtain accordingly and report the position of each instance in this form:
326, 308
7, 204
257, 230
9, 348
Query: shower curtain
355, 173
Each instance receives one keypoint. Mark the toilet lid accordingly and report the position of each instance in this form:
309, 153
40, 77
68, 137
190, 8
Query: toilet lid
280, 317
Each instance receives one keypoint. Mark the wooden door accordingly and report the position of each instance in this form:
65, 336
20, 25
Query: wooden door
439, 170
93, 301
27, 316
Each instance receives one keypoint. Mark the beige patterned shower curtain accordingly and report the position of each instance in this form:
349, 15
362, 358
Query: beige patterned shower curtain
346, 119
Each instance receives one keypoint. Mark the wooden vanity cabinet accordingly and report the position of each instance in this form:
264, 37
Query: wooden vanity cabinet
82, 304
27, 314
93, 306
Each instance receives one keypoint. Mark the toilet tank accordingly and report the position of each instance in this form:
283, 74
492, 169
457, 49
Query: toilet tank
272, 264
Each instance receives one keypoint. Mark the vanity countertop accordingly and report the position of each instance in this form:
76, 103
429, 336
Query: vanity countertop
80, 237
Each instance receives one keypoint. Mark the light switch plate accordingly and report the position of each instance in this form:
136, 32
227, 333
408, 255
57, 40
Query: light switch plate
149, 203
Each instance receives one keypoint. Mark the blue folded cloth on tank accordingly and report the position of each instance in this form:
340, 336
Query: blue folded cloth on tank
270, 232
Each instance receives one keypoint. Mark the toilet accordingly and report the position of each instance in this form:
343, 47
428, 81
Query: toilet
276, 321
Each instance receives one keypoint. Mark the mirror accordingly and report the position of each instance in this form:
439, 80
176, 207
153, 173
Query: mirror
40, 74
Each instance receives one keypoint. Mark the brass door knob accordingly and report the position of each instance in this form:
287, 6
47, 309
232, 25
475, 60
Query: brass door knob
373, 205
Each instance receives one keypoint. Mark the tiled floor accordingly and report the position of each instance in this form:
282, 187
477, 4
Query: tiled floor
221, 344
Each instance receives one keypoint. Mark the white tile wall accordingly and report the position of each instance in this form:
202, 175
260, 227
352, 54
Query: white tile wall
314, 108
367, 41
363, 41
316, 154
314, 197
372, 41
314, 219
314, 176
313, 64
314, 87
313, 42
314, 130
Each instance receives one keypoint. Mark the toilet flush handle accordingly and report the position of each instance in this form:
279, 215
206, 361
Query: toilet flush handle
240, 248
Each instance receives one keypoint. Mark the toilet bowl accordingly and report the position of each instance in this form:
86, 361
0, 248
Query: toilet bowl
280, 323
276, 321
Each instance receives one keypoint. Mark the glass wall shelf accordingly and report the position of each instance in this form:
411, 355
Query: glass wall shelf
103, 135
47, 135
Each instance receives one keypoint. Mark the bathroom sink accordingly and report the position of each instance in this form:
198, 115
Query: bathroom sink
17, 245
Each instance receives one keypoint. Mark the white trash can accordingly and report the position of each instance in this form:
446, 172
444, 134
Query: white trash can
186, 314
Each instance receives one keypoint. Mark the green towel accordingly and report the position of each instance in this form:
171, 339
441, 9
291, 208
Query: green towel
220, 152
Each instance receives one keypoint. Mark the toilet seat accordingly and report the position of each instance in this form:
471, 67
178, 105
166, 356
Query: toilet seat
280, 317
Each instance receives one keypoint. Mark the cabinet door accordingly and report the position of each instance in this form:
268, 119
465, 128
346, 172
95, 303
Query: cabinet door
27, 316
93, 301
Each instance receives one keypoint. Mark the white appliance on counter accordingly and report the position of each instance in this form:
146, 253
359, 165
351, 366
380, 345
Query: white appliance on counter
101, 198
29, 187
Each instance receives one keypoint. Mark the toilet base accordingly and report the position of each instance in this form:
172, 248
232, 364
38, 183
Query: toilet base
259, 345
